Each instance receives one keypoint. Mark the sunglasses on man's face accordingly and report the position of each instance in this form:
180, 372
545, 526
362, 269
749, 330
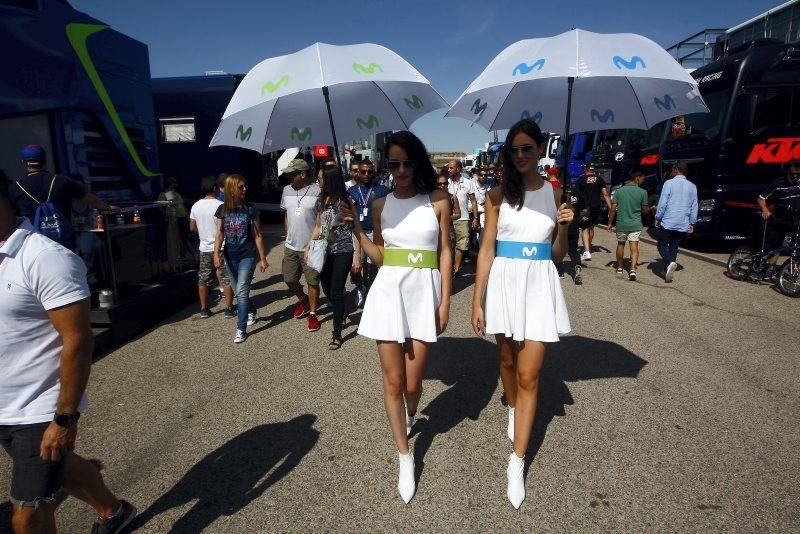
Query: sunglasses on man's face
526, 150
366, 172
394, 165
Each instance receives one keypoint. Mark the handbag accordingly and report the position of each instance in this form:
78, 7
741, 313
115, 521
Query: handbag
317, 251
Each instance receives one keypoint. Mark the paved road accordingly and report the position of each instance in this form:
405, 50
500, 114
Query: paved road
671, 407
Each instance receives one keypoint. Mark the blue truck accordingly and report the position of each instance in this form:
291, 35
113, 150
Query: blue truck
81, 90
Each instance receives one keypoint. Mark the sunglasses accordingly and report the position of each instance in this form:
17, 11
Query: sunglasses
394, 165
366, 172
524, 149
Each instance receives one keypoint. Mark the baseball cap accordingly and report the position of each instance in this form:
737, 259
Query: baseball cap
34, 153
296, 165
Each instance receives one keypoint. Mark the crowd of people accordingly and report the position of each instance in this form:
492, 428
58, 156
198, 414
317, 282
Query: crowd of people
402, 238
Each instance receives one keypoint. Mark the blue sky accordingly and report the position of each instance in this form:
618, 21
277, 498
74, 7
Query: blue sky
449, 42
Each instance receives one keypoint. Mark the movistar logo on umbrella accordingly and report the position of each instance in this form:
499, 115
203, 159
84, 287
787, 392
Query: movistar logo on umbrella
301, 135
270, 87
358, 68
243, 134
668, 103
523, 68
478, 108
536, 117
414, 102
370, 123
606, 116
634, 63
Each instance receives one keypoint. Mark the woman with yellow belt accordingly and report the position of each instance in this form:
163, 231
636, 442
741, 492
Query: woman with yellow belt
408, 304
526, 231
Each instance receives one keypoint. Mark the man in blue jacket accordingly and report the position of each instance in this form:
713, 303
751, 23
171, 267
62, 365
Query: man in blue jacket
675, 217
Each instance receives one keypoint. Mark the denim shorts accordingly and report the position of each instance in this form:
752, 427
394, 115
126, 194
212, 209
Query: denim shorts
33, 481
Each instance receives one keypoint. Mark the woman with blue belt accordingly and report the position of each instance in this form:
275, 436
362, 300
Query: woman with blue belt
526, 231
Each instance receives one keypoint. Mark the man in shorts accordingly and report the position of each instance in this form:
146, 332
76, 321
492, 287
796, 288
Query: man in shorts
628, 203
45, 357
464, 191
364, 194
203, 223
592, 190
299, 203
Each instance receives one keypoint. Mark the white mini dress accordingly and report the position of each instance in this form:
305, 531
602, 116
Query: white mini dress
523, 297
402, 301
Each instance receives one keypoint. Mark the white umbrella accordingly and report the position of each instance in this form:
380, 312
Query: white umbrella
580, 81
323, 92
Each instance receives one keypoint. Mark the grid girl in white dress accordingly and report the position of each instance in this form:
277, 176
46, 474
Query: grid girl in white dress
408, 305
526, 231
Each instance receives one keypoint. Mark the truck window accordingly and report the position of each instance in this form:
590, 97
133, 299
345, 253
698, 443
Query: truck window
709, 124
775, 109
177, 130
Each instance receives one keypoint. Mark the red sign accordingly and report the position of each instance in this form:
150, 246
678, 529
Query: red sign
775, 150
321, 151
650, 159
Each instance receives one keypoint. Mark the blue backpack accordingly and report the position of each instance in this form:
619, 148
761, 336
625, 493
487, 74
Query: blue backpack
47, 220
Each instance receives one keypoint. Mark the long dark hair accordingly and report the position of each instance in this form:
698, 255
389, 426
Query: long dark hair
513, 186
424, 174
332, 188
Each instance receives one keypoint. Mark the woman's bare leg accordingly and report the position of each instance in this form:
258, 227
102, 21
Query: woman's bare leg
393, 373
416, 352
508, 368
529, 364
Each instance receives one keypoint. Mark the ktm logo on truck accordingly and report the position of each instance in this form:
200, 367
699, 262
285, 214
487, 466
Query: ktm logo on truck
775, 150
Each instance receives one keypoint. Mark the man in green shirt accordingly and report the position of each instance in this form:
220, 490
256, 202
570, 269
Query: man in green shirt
628, 203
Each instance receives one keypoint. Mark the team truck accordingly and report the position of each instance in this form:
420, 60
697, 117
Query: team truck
82, 91
745, 142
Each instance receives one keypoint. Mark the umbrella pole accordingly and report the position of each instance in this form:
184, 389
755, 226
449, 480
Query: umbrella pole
333, 130
565, 152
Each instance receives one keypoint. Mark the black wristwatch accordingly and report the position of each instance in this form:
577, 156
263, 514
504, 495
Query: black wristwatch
66, 419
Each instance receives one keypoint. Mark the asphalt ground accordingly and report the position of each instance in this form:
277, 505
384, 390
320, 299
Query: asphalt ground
671, 407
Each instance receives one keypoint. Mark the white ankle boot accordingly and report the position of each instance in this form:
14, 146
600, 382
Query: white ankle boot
516, 481
511, 424
405, 482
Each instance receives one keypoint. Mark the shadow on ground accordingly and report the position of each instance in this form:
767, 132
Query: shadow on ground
572, 359
235, 474
469, 366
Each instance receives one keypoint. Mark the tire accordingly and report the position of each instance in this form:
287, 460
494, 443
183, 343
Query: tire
789, 277
740, 263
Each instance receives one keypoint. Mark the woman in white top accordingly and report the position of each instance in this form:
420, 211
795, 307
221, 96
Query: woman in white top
408, 304
526, 230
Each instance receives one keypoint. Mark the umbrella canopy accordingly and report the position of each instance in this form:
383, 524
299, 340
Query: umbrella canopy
612, 81
295, 100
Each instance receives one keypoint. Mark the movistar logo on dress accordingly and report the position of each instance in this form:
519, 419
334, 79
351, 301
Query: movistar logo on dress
529, 251
414, 258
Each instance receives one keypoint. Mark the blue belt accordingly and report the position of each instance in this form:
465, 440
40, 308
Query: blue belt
524, 251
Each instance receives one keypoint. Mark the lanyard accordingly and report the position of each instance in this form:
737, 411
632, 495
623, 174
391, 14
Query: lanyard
363, 201
300, 199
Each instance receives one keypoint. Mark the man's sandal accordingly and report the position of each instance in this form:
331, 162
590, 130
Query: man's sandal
335, 344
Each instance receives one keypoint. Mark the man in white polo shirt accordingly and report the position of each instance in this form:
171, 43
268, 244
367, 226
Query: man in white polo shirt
45, 357
299, 203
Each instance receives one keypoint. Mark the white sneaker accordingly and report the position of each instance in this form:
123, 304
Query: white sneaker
240, 336
409, 423
251, 318
516, 482
670, 272
586, 256
511, 424
405, 482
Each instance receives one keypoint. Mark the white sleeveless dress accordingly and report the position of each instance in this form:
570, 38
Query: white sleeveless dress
402, 302
523, 297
